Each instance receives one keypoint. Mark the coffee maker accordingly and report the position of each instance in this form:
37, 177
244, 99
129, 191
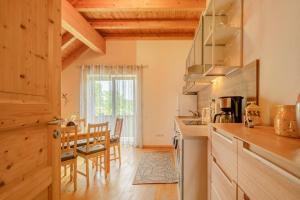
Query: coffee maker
231, 110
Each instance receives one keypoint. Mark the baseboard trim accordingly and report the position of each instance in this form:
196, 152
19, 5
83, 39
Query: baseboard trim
158, 147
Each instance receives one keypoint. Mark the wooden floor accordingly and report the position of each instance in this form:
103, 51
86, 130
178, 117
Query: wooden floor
119, 185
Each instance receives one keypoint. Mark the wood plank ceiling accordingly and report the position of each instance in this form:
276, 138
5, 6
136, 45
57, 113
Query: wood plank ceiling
125, 19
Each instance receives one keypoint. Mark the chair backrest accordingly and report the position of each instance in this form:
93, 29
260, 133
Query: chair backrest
118, 127
81, 123
99, 134
68, 139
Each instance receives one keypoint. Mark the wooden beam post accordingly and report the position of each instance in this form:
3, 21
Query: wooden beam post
92, 5
66, 40
144, 24
150, 36
73, 56
73, 22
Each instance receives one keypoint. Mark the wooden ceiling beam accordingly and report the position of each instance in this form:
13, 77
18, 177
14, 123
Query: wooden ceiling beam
66, 40
143, 24
73, 22
97, 5
73, 2
73, 56
149, 36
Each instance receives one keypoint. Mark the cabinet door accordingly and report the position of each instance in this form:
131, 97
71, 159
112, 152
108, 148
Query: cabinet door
222, 186
261, 179
209, 164
30, 67
224, 149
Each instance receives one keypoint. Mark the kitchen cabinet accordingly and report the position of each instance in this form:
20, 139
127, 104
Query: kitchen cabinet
252, 164
191, 160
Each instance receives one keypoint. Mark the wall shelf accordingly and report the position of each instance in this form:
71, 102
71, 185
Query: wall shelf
221, 7
195, 69
199, 78
220, 70
222, 35
192, 87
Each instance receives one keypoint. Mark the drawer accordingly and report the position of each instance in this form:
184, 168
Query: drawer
261, 179
224, 149
222, 186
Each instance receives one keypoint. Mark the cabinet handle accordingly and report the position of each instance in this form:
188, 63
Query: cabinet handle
266, 162
223, 136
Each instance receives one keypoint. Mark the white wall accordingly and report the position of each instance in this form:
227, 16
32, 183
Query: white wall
272, 34
162, 82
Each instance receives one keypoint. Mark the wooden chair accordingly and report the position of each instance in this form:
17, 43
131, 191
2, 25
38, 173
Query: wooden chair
81, 123
96, 149
115, 139
68, 151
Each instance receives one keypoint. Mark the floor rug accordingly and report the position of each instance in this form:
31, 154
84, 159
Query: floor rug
156, 167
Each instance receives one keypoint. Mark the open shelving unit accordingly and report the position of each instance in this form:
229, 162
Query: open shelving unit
217, 7
192, 87
217, 48
223, 35
223, 21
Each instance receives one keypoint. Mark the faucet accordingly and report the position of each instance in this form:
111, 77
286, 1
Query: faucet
195, 113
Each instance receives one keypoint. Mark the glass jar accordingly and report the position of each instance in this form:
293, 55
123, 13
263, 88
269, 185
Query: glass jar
253, 112
285, 121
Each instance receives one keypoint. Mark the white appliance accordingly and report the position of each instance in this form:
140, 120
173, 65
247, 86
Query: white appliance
186, 103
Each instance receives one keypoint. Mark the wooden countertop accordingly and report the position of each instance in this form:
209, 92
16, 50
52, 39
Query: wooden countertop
284, 149
191, 131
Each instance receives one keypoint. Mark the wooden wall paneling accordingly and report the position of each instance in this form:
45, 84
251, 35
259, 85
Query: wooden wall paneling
74, 23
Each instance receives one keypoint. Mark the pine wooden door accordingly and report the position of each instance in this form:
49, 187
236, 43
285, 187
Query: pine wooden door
30, 68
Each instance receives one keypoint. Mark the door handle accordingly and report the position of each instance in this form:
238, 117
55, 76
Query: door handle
56, 121
56, 134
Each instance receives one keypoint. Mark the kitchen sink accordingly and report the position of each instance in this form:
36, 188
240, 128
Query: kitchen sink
194, 122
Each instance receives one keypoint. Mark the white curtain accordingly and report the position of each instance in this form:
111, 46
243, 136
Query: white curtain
107, 92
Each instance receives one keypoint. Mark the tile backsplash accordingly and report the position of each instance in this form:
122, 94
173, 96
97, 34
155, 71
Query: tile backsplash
242, 82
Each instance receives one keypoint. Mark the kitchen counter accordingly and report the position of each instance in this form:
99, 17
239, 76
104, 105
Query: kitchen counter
281, 150
191, 131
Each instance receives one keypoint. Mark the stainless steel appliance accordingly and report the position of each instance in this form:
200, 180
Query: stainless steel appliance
231, 110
